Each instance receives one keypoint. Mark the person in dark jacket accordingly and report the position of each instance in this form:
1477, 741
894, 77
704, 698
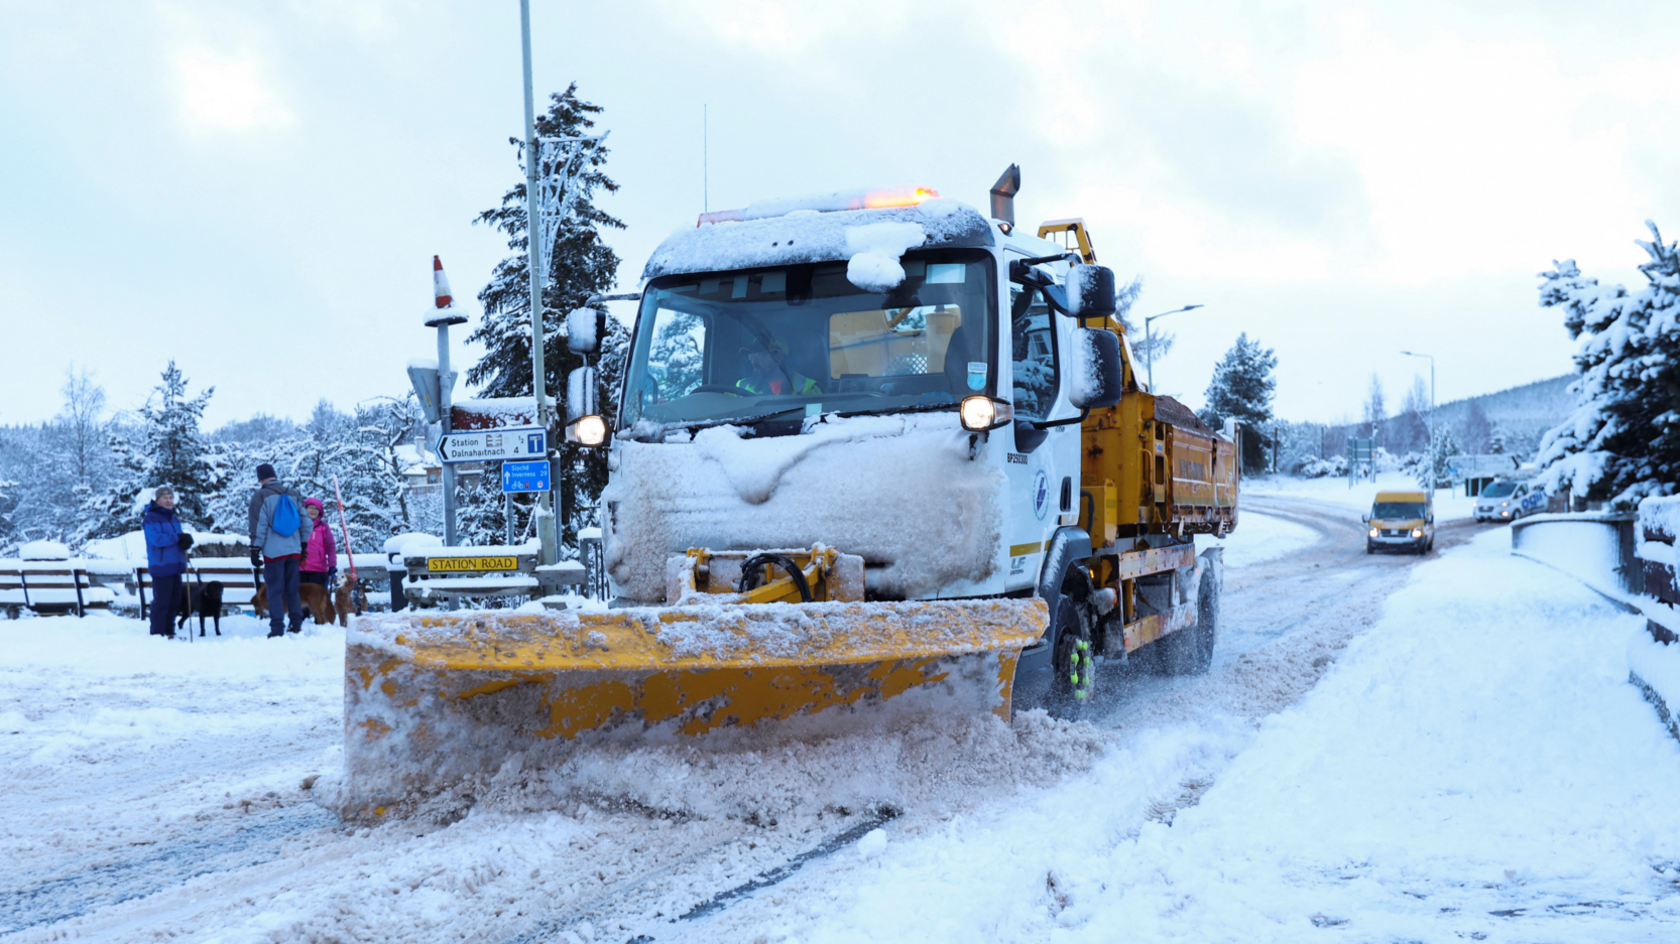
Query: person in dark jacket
166, 558
278, 554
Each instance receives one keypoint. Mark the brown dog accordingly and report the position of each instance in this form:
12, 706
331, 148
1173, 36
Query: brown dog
315, 599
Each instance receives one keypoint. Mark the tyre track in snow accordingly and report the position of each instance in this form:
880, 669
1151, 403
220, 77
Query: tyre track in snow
1284, 622
1288, 618
98, 881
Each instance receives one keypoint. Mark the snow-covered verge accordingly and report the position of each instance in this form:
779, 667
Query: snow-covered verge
1449, 503
1475, 767
1259, 538
1655, 667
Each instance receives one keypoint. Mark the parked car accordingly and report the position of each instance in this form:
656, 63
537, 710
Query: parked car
1507, 501
1401, 521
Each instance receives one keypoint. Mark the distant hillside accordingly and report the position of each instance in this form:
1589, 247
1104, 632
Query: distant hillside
1520, 416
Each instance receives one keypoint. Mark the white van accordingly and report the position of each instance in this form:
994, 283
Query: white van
1507, 501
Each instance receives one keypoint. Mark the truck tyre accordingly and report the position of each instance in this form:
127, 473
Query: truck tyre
1073, 667
1190, 651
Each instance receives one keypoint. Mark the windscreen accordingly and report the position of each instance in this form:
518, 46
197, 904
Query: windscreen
802, 340
1391, 510
1499, 490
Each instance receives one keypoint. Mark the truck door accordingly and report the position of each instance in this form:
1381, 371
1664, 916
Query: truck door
1042, 464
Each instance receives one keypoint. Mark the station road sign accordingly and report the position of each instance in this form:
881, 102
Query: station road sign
494, 445
525, 476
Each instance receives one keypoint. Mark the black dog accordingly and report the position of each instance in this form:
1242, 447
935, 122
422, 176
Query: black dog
205, 599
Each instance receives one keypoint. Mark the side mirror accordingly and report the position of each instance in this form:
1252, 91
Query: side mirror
585, 329
1097, 376
1365, 518
1090, 291
584, 423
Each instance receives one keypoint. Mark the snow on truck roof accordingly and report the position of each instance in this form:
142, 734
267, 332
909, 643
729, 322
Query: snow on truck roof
805, 234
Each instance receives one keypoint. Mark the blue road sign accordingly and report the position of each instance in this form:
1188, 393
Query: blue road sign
525, 476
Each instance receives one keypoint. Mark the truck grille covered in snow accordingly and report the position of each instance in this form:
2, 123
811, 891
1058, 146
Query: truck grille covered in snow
901, 491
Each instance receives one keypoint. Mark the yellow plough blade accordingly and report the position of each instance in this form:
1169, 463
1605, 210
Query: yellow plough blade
431, 699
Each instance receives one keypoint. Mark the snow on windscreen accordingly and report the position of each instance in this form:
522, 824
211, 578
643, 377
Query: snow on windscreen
901, 491
784, 343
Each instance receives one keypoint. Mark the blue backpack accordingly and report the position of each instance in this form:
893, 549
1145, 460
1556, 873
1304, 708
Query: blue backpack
286, 520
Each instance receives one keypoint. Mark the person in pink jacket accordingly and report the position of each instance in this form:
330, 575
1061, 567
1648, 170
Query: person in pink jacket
320, 555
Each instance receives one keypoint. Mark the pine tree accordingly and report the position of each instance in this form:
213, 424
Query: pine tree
1242, 389
1442, 447
1622, 443
164, 448
579, 265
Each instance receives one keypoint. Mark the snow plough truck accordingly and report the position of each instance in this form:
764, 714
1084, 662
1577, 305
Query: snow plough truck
874, 454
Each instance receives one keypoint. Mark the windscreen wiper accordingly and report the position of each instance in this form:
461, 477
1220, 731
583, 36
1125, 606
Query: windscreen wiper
728, 420
888, 410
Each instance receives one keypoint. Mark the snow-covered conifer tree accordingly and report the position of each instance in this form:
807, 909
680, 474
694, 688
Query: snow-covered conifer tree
1622, 442
579, 265
1242, 389
1442, 446
164, 447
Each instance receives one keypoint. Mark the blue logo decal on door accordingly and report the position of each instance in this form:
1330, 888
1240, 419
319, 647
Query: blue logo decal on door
1041, 494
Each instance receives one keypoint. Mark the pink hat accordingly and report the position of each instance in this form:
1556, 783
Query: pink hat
316, 502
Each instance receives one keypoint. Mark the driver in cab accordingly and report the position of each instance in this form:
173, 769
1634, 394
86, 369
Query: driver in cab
770, 374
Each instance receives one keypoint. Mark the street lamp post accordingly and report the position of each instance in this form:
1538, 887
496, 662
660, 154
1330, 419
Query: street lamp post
1431, 415
1148, 341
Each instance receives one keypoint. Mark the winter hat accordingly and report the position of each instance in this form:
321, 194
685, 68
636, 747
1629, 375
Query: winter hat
265, 472
163, 490
317, 503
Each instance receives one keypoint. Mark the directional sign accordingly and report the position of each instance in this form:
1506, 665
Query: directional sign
494, 445
525, 476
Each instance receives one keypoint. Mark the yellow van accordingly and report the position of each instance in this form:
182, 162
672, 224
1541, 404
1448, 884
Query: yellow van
1401, 521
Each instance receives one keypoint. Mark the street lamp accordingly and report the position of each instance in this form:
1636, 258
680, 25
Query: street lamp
1148, 343
1431, 415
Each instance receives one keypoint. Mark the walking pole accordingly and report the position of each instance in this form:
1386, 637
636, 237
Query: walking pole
344, 528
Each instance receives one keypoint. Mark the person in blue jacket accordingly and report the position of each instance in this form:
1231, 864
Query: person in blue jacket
166, 558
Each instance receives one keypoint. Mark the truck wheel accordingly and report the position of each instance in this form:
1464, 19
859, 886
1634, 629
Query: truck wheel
1190, 651
1073, 666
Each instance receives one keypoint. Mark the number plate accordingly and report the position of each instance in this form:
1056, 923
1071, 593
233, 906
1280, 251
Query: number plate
455, 564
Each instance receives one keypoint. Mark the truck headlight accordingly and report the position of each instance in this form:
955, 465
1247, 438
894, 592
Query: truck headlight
1373, 532
590, 430
1417, 532
983, 413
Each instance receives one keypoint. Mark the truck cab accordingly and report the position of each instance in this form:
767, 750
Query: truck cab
1401, 521
1506, 500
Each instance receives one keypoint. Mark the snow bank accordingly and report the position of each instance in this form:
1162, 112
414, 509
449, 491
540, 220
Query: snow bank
1656, 667
43, 551
1261, 538
1476, 767
1660, 515
900, 491
804, 236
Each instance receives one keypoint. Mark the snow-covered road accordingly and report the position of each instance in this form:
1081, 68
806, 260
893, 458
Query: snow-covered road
1463, 761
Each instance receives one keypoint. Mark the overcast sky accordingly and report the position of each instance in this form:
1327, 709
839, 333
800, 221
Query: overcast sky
256, 189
